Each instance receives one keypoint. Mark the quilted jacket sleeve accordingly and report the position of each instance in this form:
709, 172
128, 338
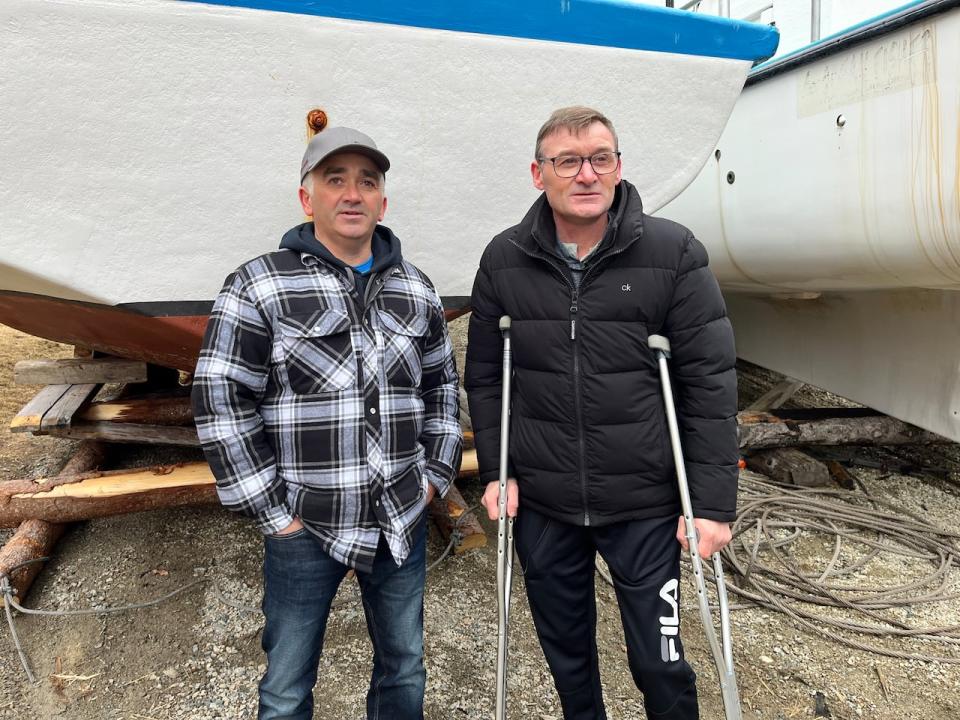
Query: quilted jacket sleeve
703, 372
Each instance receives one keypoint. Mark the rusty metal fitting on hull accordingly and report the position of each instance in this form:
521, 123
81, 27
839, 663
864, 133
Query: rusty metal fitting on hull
316, 121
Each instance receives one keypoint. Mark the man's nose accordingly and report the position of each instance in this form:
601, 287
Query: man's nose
587, 174
351, 192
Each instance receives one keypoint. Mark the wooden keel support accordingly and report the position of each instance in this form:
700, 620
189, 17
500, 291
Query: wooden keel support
37, 538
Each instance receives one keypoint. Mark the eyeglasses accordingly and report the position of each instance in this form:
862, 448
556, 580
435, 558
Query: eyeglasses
568, 166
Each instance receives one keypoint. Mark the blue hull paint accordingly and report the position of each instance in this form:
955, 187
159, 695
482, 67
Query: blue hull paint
605, 23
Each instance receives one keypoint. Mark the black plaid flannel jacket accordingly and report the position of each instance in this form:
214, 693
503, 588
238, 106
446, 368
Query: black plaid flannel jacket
310, 404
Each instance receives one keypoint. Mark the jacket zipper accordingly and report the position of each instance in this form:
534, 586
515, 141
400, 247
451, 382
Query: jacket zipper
578, 403
577, 389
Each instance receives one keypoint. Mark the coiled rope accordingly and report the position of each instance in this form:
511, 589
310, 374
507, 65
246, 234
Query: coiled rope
763, 563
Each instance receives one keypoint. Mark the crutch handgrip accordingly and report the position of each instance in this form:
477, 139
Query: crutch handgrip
659, 342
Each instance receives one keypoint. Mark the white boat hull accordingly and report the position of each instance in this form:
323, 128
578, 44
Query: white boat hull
838, 240
156, 145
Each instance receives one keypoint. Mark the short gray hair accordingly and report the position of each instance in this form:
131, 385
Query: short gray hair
574, 119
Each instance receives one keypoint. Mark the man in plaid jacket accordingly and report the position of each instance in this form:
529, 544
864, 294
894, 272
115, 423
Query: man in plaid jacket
326, 400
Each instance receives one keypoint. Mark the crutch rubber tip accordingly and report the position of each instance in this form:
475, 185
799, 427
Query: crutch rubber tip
656, 342
505, 322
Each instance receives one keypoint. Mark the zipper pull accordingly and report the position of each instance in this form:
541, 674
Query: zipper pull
573, 311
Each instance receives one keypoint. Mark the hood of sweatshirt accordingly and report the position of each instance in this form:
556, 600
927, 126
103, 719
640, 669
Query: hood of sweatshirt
385, 247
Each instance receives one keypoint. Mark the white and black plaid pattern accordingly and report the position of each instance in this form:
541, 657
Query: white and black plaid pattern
310, 405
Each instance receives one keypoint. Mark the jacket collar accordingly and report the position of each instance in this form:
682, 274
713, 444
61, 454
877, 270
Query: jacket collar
537, 232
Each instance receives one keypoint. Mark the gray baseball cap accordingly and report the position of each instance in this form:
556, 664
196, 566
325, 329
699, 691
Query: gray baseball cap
335, 140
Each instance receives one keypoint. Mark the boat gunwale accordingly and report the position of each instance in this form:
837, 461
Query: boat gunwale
849, 37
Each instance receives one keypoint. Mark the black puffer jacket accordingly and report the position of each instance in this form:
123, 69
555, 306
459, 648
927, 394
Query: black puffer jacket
589, 442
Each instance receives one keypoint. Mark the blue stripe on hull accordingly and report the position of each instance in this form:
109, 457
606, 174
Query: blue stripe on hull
605, 23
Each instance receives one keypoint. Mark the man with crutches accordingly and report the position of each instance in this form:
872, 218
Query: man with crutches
586, 277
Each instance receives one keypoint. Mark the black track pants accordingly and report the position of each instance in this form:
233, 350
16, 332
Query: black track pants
644, 561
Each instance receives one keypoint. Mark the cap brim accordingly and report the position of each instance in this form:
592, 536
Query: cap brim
379, 159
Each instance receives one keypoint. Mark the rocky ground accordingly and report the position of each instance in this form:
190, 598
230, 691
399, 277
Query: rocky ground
197, 656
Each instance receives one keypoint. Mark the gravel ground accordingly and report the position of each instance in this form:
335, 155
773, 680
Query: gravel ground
197, 656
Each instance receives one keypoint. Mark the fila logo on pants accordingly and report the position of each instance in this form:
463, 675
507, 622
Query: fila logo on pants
670, 625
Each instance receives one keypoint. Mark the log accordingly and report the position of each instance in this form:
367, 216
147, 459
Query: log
129, 433
445, 513
36, 538
791, 466
79, 370
764, 430
33, 539
88, 495
100, 494
149, 411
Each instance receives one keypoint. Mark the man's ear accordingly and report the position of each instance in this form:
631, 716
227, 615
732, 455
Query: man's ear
537, 172
383, 210
306, 202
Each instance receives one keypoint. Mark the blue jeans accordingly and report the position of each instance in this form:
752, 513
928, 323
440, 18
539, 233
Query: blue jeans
300, 582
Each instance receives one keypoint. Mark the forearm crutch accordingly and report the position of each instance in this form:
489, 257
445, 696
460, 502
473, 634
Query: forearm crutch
722, 656
504, 528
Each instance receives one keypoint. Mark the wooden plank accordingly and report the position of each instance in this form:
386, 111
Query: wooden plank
76, 371
129, 433
777, 395
61, 413
31, 415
